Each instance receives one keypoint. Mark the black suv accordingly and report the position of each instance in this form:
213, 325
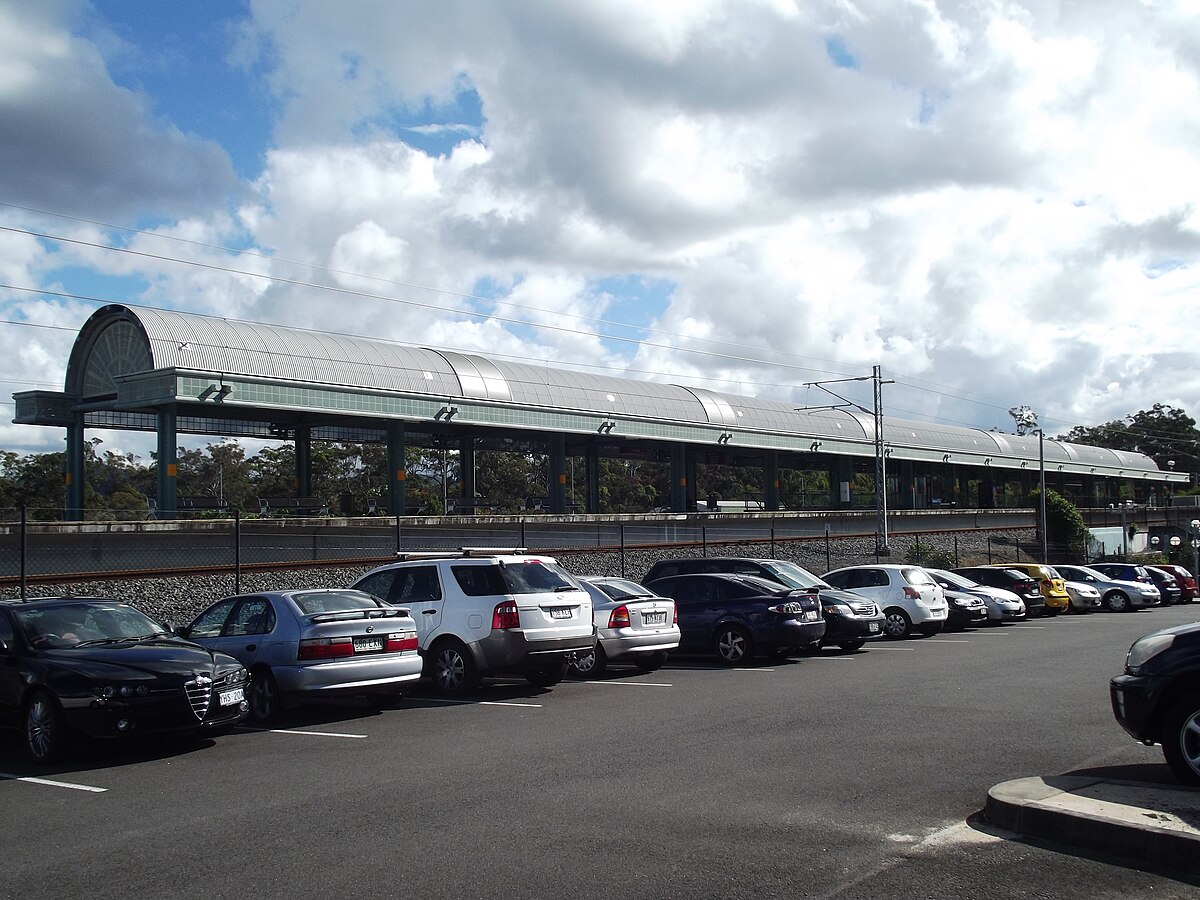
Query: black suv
850, 619
1157, 700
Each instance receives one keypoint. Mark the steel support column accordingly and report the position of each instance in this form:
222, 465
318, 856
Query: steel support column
678, 479
592, 467
303, 480
557, 462
771, 480
397, 474
466, 467
74, 473
167, 461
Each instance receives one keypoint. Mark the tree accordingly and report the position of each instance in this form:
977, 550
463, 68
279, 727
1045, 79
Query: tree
1163, 433
1064, 524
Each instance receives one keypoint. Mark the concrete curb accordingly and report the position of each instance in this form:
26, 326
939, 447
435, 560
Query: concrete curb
1146, 822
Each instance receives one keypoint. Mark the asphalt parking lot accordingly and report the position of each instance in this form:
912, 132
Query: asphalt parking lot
837, 775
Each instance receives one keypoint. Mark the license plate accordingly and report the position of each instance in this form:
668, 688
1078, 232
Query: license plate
872, 627
228, 698
367, 645
810, 615
654, 618
560, 612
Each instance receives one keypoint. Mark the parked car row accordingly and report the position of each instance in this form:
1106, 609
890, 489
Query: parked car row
103, 668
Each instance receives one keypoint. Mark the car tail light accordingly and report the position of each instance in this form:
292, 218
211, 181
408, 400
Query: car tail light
325, 648
505, 615
401, 640
619, 617
674, 614
911, 593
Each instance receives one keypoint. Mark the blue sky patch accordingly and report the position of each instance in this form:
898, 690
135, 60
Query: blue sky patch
432, 128
836, 50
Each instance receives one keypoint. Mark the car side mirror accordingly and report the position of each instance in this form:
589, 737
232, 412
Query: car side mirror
3, 646
182, 631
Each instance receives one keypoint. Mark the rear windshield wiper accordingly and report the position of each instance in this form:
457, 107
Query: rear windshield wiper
135, 639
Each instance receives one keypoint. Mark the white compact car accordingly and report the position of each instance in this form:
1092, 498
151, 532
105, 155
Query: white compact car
488, 612
908, 595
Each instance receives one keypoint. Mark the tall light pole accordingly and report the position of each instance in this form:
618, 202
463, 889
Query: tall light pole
1027, 423
1195, 528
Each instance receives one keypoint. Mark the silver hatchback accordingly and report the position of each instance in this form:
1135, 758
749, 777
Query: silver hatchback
633, 624
305, 643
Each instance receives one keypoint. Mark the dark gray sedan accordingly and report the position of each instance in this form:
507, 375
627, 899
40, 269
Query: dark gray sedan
300, 644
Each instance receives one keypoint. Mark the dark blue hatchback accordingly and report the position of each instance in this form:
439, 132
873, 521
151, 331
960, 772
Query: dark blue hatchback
737, 616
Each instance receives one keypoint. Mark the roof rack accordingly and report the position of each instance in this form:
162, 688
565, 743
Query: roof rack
460, 553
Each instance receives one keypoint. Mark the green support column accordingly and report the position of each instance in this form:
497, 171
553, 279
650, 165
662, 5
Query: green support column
167, 462
303, 461
592, 465
557, 462
397, 474
466, 467
73, 476
678, 479
906, 484
771, 480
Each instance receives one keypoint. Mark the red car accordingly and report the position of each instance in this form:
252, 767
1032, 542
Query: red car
1187, 581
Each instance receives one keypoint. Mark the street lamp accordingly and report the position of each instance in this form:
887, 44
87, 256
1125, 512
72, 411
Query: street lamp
1027, 423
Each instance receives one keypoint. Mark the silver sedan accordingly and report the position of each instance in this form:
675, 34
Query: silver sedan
303, 643
633, 624
1115, 595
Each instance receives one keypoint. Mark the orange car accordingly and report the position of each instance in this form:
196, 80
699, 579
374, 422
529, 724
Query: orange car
1054, 589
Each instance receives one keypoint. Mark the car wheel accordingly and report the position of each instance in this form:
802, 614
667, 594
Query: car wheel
1181, 740
733, 645
896, 623
264, 695
548, 674
650, 662
1117, 601
44, 727
850, 646
454, 671
592, 663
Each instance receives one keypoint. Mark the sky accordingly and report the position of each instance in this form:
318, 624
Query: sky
996, 201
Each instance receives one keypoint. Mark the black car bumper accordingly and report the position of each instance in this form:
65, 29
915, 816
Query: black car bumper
790, 633
112, 718
852, 628
1134, 704
963, 617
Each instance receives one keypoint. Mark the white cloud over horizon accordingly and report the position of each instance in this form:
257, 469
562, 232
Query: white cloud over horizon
996, 202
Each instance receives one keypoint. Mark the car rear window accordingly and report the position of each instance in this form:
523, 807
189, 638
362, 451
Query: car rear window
793, 575
622, 590
916, 576
529, 576
311, 604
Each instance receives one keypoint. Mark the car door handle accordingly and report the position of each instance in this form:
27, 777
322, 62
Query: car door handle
429, 612
251, 646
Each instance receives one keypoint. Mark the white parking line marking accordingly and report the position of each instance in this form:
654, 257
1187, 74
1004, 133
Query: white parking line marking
749, 670
943, 641
479, 702
337, 734
46, 781
895, 649
631, 683
831, 657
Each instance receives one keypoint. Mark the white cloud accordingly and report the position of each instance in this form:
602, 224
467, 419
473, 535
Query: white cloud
994, 201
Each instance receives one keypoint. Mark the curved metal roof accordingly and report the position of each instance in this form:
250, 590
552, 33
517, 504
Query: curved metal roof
121, 340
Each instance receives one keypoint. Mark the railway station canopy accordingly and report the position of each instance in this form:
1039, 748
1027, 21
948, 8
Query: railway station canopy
175, 372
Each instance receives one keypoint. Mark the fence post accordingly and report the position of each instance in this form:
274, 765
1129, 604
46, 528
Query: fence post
956, 563
621, 533
24, 545
237, 550
828, 559
522, 541
703, 540
772, 537
398, 547
989, 549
